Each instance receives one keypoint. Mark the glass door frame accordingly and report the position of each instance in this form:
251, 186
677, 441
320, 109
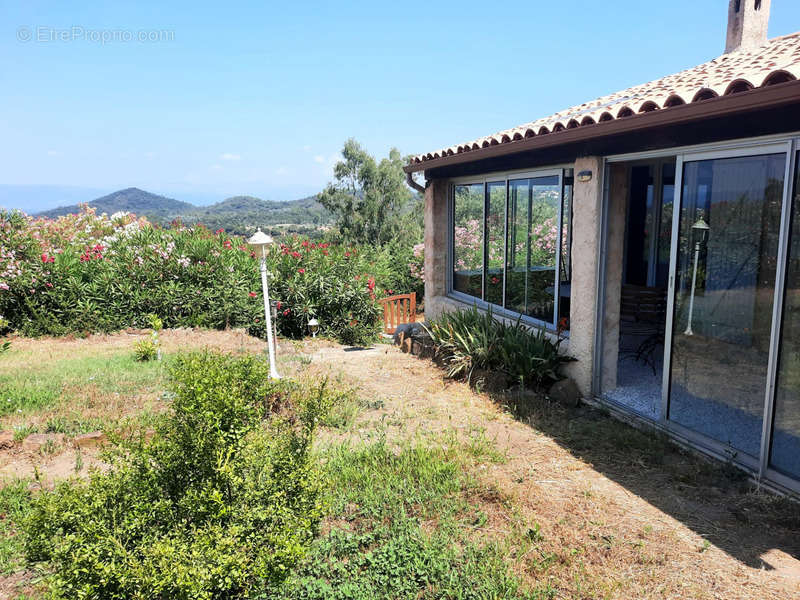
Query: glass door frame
758, 464
789, 193
787, 144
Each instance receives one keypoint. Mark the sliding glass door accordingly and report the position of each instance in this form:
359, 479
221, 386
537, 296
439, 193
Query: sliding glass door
785, 431
730, 225
724, 292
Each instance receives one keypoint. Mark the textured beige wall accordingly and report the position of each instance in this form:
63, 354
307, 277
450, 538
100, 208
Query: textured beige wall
617, 211
436, 228
587, 201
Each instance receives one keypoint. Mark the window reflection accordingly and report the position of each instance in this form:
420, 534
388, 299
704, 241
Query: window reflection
519, 200
495, 237
533, 245
724, 297
506, 244
566, 255
785, 455
468, 239
664, 230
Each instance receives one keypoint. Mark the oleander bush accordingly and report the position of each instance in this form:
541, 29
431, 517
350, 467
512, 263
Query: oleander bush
86, 273
222, 501
472, 339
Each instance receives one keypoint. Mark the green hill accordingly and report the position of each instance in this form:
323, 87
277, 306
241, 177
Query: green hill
132, 200
239, 214
242, 214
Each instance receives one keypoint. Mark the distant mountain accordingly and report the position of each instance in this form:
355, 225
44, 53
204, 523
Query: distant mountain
132, 200
239, 214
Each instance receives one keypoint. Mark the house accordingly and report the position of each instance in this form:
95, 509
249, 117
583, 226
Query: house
660, 227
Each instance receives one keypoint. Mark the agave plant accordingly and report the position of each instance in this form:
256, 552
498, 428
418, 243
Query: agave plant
466, 340
531, 357
473, 339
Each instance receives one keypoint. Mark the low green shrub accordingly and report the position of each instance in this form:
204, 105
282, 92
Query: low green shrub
223, 500
473, 339
145, 350
150, 349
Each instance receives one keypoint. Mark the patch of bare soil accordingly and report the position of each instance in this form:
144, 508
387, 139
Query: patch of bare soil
64, 460
615, 516
172, 340
14, 584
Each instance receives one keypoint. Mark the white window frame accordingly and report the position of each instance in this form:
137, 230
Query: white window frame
495, 177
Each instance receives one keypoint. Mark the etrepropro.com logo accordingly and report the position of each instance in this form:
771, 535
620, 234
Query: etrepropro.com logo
45, 34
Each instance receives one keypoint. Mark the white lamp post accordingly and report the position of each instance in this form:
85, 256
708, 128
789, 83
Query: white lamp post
313, 327
699, 228
262, 240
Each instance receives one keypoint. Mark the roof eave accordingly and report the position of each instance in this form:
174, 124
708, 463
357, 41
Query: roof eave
756, 99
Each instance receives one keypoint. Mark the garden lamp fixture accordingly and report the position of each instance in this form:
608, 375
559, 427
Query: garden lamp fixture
700, 230
262, 240
313, 327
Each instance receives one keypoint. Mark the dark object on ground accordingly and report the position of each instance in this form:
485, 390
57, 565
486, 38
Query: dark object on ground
565, 392
407, 330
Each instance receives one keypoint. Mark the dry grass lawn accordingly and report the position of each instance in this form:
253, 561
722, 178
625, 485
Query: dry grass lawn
620, 514
614, 513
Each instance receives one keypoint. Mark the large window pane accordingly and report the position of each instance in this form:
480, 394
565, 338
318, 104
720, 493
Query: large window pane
468, 239
519, 200
495, 237
506, 244
566, 256
533, 242
724, 297
543, 244
785, 454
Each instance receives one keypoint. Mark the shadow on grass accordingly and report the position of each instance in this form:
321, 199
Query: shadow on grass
714, 499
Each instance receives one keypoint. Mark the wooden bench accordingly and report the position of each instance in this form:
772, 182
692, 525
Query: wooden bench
398, 310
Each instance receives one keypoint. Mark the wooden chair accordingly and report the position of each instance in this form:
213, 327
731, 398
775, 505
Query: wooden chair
643, 313
398, 310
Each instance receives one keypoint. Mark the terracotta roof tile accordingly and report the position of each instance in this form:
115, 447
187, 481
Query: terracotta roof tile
777, 61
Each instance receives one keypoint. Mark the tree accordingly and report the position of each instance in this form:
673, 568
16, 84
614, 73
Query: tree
370, 201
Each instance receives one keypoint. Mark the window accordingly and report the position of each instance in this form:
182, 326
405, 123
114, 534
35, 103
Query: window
495, 238
468, 240
510, 245
728, 232
786, 425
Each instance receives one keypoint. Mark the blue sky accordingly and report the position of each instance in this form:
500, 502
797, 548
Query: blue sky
258, 98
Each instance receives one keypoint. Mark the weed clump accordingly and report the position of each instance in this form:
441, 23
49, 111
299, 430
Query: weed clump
223, 500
